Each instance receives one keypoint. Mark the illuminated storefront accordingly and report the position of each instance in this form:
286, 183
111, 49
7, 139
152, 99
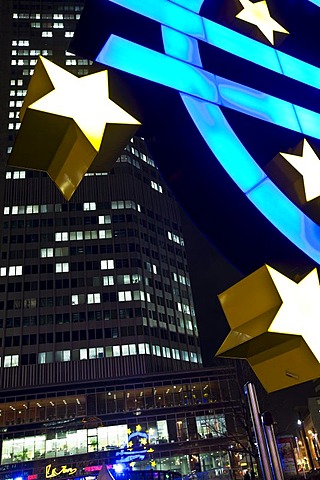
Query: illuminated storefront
177, 422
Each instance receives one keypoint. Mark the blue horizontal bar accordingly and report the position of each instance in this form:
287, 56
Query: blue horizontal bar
186, 78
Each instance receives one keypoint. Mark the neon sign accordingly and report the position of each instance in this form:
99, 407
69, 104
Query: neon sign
52, 472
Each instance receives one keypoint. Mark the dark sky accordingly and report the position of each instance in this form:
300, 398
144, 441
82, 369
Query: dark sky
211, 273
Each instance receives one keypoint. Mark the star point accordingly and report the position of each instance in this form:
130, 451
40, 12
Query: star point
308, 165
258, 14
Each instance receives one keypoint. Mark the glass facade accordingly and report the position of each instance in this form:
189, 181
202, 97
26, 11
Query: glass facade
182, 421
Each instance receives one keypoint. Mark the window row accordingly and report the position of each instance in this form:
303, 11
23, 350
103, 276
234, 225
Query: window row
82, 235
14, 270
102, 352
45, 16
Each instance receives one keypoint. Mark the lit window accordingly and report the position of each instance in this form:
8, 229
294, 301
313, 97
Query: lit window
62, 267
46, 252
89, 206
11, 361
63, 356
96, 352
105, 234
104, 219
32, 209
93, 298
116, 350
15, 270
45, 357
125, 350
76, 235
61, 236
78, 299
108, 280
107, 264
83, 354
138, 295
125, 296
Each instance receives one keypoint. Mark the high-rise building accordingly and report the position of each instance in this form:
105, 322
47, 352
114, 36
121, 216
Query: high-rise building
97, 286
95, 298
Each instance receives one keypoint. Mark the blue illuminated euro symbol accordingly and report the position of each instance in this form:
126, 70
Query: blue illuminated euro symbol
203, 93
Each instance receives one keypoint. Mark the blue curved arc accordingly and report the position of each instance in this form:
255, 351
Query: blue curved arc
250, 178
271, 202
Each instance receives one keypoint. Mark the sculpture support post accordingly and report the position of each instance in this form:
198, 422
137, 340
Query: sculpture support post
267, 422
266, 469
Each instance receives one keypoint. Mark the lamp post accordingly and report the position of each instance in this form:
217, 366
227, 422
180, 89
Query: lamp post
305, 441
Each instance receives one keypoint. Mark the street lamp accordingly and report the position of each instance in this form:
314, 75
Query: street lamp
300, 422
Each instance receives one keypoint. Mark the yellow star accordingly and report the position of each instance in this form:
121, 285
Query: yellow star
308, 165
143, 441
130, 444
258, 14
153, 463
275, 326
132, 464
138, 428
299, 313
129, 431
150, 450
66, 122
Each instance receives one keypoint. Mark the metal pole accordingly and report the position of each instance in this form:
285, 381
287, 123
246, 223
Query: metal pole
273, 449
250, 391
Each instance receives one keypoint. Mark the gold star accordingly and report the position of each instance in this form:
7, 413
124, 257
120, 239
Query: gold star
308, 165
66, 122
143, 441
138, 428
274, 325
300, 310
153, 463
258, 14
129, 431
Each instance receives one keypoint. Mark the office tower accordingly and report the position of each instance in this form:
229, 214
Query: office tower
103, 279
95, 300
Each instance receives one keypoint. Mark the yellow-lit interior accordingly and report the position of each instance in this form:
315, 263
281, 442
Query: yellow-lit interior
308, 165
258, 14
299, 313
